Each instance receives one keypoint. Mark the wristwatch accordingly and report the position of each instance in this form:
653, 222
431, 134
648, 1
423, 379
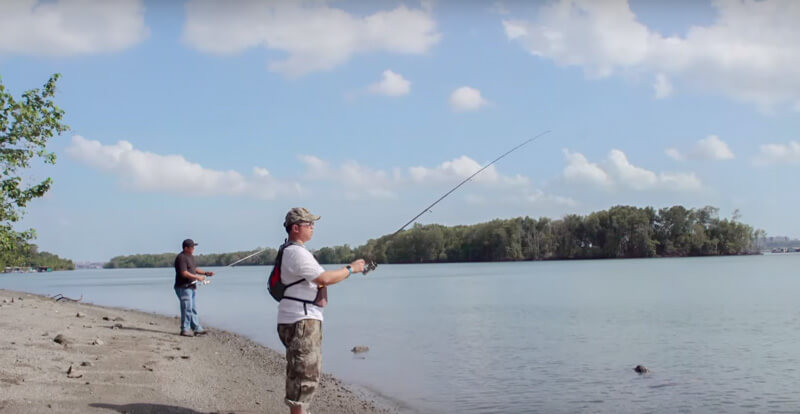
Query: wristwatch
349, 269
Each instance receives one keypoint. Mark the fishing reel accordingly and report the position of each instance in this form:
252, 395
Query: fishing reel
369, 266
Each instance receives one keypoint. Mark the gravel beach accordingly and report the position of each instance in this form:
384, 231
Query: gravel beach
71, 357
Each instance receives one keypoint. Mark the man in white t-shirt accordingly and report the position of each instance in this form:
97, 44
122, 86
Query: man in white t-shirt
300, 310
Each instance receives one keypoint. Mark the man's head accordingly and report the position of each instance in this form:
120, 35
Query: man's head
299, 224
188, 245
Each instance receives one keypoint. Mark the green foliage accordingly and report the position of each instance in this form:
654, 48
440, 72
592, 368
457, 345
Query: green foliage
619, 232
26, 125
168, 259
26, 255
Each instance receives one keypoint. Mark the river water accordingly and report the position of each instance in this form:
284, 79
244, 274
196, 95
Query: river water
719, 334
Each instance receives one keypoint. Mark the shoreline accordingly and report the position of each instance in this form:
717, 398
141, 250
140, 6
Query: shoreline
122, 360
548, 259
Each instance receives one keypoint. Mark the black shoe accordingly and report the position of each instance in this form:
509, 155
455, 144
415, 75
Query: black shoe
187, 333
200, 333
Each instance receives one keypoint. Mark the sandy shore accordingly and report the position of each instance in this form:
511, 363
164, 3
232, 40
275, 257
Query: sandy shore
115, 360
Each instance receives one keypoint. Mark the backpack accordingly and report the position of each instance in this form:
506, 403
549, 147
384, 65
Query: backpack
274, 284
277, 288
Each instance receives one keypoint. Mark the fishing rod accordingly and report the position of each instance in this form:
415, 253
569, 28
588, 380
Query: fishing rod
241, 260
372, 264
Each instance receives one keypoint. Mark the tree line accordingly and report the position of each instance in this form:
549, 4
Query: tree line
619, 232
23, 254
215, 259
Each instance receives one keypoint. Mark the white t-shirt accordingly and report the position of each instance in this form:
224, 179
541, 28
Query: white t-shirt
298, 263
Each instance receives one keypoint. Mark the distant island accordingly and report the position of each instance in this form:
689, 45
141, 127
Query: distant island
619, 232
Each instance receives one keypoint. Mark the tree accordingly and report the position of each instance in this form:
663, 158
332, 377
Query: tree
25, 127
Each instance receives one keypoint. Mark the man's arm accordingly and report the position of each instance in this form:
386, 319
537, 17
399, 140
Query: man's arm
195, 276
200, 271
332, 277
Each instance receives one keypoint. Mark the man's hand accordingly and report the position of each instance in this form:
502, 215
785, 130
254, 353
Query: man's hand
358, 266
201, 278
209, 273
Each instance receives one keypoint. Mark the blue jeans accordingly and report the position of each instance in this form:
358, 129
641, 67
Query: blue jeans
189, 318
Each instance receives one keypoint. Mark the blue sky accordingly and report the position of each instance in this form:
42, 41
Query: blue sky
210, 120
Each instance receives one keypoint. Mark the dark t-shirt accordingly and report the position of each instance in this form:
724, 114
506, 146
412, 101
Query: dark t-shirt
183, 262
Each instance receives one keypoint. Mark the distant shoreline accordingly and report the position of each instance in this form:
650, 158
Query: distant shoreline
199, 263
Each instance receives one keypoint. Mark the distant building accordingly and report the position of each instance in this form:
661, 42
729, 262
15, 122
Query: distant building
89, 265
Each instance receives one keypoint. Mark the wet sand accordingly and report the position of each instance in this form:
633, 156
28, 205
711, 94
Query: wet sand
115, 360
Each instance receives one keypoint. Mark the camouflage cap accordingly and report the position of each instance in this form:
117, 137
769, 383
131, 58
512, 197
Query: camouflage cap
299, 215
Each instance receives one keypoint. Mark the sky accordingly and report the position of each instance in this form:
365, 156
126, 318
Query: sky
210, 120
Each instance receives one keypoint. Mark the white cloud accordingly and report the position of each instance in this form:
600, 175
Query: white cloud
145, 171
466, 98
359, 182
316, 37
64, 27
361, 179
514, 30
778, 154
709, 148
528, 198
538, 197
628, 174
149, 172
662, 86
675, 154
499, 7
749, 53
461, 168
392, 84
616, 172
684, 182
580, 170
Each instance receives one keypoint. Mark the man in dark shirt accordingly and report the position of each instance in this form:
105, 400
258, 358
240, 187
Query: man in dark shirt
187, 274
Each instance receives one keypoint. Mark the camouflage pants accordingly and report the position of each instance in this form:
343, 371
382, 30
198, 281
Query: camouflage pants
303, 342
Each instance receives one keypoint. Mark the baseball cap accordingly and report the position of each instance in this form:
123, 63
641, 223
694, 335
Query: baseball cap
189, 243
299, 215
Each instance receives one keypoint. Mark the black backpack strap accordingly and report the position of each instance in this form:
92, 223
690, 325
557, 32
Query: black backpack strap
293, 283
305, 302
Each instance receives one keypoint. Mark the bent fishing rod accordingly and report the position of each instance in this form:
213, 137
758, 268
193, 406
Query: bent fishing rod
372, 264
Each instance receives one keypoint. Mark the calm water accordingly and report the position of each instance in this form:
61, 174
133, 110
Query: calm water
719, 334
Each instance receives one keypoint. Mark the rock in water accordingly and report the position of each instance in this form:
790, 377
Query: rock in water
641, 369
359, 349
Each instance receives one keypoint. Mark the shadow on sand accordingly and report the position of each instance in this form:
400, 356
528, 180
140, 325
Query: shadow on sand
143, 408
134, 328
